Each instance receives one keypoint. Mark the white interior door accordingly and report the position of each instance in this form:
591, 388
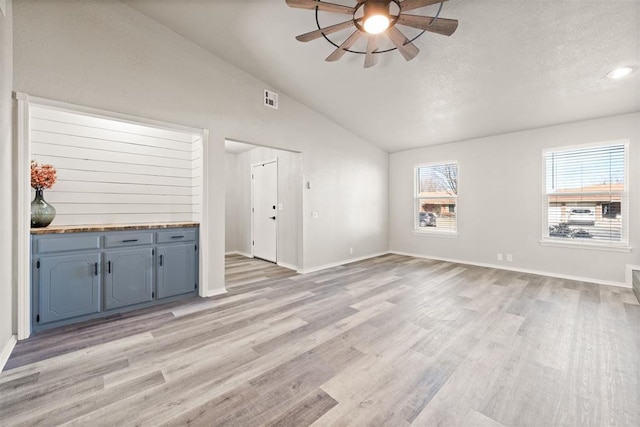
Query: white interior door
264, 184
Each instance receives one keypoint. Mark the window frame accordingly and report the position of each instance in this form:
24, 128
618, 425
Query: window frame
428, 231
614, 246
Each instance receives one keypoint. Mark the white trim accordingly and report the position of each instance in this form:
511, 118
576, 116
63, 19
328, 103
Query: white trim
6, 351
215, 292
628, 278
434, 233
585, 245
519, 270
203, 265
98, 113
337, 264
289, 266
23, 221
244, 254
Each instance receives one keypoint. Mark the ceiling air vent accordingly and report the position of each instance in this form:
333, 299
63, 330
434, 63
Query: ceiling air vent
270, 99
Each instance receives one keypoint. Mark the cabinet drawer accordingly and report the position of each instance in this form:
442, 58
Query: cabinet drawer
177, 236
123, 240
66, 243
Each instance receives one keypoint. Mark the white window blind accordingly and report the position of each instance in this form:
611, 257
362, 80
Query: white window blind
436, 197
586, 194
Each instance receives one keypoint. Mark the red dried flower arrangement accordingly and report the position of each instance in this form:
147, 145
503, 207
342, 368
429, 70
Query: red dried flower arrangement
42, 176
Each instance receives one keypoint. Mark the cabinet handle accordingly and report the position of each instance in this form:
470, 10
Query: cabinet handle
129, 240
109, 267
95, 266
177, 237
160, 260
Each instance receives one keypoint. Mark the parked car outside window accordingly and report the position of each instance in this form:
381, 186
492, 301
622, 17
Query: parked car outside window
426, 219
582, 216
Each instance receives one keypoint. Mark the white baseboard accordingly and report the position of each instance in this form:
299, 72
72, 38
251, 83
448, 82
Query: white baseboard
216, 292
244, 254
289, 266
6, 351
337, 264
520, 270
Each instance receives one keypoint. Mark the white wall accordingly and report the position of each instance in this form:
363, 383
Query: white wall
7, 304
231, 203
500, 200
289, 194
106, 55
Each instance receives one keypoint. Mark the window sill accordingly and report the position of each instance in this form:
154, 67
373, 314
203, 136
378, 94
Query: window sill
434, 233
584, 245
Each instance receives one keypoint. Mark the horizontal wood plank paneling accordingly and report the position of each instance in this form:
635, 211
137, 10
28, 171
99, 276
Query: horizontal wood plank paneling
82, 141
112, 171
88, 120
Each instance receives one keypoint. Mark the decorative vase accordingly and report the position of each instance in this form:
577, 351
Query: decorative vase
42, 213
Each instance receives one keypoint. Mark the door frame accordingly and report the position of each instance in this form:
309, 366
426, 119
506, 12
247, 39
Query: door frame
275, 160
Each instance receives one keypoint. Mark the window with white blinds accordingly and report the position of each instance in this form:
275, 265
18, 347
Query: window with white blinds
586, 194
436, 197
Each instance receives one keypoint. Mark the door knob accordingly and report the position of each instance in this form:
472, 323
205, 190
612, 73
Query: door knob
272, 217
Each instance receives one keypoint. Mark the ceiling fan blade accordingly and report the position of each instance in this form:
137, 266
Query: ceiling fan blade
408, 5
340, 51
405, 47
443, 26
327, 30
372, 44
326, 7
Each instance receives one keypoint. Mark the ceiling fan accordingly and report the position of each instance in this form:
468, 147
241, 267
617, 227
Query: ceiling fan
374, 18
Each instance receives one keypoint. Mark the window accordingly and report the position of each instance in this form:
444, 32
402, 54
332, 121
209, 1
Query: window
436, 197
586, 195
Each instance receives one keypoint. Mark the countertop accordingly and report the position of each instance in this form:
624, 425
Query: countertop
110, 227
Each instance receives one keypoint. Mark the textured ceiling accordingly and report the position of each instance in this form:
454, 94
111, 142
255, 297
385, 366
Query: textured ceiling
511, 65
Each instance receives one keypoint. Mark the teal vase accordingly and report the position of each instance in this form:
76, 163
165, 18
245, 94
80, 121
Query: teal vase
42, 213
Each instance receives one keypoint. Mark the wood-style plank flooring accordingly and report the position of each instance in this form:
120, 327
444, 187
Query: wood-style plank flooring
390, 341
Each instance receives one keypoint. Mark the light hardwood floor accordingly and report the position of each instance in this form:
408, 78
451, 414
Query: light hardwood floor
390, 341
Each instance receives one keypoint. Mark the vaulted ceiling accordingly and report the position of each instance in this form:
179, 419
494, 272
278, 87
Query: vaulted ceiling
511, 65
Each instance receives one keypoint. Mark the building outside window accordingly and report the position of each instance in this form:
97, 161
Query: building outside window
586, 194
436, 198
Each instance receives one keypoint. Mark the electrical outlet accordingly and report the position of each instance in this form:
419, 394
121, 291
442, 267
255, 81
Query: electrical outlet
509, 257
351, 251
314, 215
499, 257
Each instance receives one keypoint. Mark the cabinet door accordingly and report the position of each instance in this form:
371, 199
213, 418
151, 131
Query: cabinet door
69, 286
127, 277
176, 270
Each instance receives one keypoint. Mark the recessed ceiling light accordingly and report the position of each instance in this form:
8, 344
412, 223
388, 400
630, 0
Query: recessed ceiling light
619, 73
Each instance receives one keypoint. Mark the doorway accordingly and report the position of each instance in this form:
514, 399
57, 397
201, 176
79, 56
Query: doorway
282, 170
264, 210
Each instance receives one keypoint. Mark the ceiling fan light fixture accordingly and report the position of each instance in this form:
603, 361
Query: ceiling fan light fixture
376, 24
619, 73
376, 16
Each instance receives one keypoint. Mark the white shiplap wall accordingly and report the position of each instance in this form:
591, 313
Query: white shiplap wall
115, 172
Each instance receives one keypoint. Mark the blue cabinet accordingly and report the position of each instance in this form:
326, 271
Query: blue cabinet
68, 286
176, 270
128, 277
84, 275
